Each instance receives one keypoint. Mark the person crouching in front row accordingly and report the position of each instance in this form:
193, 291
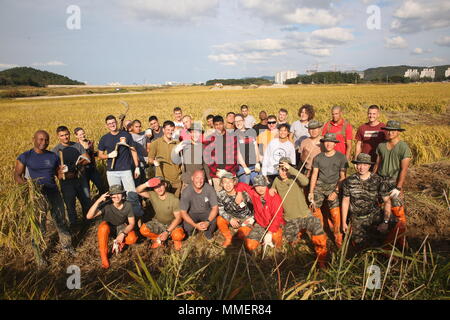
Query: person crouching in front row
118, 218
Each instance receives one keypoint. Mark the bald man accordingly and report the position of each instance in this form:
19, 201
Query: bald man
41, 166
343, 130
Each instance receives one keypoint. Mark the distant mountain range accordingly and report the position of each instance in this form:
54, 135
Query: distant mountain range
26, 76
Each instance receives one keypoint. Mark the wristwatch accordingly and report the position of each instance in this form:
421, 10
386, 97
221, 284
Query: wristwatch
167, 230
124, 233
386, 221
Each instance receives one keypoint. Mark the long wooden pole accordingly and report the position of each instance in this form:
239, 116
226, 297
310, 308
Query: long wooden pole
62, 162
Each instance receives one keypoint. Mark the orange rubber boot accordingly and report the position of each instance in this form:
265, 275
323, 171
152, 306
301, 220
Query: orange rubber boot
222, 224
131, 238
277, 238
145, 231
243, 232
336, 217
251, 244
399, 230
177, 236
103, 235
318, 214
320, 246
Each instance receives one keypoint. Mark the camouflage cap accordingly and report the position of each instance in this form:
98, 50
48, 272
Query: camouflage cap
393, 125
116, 189
314, 124
227, 175
260, 180
363, 158
330, 137
285, 159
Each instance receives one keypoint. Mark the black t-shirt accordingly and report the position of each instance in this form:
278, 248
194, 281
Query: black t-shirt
260, 128
70, 154
115, 216
124, 160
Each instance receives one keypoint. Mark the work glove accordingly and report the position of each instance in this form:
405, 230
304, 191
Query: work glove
156, 163
65, 168
117, 247
148, 132
180, 146
268, 240
137, 172
249, 222
247, 170
112, 154
257, 167
311, 197
210, 182
394, 193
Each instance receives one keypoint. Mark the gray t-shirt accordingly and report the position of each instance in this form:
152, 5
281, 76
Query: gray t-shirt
300, 132
70, 153
198, 203
329, 167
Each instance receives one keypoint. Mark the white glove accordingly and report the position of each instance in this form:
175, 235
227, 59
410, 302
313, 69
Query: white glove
148, 133
220, 173
311, 197
394, 193
248, 222
115, 248
210, 182
257, 167
112, 154
179, 147
268, 240
247, 170
65, 169
156, 163
137, 172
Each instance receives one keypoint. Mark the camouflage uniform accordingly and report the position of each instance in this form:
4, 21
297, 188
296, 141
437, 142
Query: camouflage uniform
228, 209
365, 213
292, 227
157, 227
321, 193
389, 184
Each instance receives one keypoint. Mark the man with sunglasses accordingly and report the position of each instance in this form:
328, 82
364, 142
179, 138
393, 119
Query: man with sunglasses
266, 136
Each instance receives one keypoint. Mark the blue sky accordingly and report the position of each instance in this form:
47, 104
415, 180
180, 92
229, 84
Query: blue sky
153, 41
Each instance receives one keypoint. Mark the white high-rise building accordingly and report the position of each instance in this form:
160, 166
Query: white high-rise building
427, 73
281, 77
447, 73
412, 73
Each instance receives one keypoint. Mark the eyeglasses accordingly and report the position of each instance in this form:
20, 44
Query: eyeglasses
271, 122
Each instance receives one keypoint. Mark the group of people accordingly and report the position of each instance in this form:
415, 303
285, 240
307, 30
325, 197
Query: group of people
258, 182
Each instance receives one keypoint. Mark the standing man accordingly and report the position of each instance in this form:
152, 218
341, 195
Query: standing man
360, 203
267, 208
73, 183
278, 148
42, 166
311, 146
262, 125
210, 125
266, 136
185, 132
156, 128
199, 206
141, 143
392, 165
178, 122
343, 130
248, 119
282, 117
299, 130
248, 153
329, 169
221, 152
239, 216
370, 134
297, 215
167, 219
229, 124
160, 157
118, 145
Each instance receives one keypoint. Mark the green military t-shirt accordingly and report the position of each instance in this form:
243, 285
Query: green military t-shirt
329, 167
164, 209
115, 216
295, 204
391, 159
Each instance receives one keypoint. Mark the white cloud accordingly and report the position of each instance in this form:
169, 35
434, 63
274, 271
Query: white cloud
317, 52
395, 43
225, 59
49, 63
414, 16
307, 12
333, 34
418, 51
171, 10
7, 65
443, 41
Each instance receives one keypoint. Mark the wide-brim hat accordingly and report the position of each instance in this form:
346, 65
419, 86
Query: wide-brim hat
329, 137
314, 124
393, 125
116, 189
363, 158
228, 175
260, 181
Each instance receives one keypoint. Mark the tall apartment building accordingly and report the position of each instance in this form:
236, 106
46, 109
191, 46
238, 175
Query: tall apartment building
281, 77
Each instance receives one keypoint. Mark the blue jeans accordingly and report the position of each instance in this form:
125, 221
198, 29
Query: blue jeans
246, 178
125, 178
71, 190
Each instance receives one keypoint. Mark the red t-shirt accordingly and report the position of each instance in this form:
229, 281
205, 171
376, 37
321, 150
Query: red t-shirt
331, 127
371, 137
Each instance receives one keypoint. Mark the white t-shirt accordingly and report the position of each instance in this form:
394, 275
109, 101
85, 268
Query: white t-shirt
249, 121
178, 127
300, 132
276, 150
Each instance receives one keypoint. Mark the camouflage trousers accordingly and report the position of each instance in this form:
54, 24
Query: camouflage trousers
364, 229
389, 185
257, 232
294, 226
321, 193
156, 227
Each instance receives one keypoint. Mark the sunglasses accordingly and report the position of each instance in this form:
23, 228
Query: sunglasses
271, 122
